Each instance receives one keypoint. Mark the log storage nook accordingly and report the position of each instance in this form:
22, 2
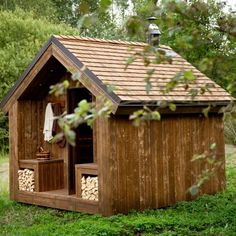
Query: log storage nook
114, 167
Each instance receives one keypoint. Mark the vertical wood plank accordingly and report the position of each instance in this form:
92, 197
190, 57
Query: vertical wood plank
165, 161
28, 130
121, 141
20, 129
195, 165
34, 129
218, 180
114, 165
14, 143
104, 168
178, 159
171, 157
134, 164
132, 186
141, 157
158, 138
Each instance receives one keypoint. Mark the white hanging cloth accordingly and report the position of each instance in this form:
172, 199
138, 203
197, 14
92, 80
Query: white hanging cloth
48, 123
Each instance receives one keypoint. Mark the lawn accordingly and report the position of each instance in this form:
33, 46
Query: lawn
3, 174
209, 215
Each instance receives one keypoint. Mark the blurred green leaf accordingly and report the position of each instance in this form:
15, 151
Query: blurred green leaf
104, 4
213, 146
156, 115
148, 87
129, 61
189, 75
172, 106
206, 110
194, 190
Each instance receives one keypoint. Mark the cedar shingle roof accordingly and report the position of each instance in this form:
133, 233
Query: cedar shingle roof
107, 60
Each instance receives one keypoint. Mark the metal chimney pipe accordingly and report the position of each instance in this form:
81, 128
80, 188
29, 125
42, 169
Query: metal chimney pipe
153, 32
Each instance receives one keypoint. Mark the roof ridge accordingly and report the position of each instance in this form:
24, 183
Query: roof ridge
100, 40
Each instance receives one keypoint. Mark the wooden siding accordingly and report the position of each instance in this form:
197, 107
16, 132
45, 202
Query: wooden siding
150, 166
31, 122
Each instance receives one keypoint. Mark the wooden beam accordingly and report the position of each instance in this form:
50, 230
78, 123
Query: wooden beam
58, 199
126, 110
14, 143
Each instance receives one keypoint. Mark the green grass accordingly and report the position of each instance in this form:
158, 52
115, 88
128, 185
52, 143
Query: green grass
209, 215
4, 173
4, 157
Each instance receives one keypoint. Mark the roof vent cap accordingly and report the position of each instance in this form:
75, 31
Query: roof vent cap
153, 32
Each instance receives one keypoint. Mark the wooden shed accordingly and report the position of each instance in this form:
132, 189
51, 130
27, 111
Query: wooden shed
130, 167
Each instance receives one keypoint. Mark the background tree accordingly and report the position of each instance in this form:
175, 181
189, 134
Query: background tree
200, 31
21, 36
39, 8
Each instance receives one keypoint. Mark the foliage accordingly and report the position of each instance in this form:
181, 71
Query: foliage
209, 215
4, 174
213, 163
4, 157
39, 8
93, 18
3, 133
90, 16
21, 37
144, 114
230, 129
85, 112
230, 122
201, 31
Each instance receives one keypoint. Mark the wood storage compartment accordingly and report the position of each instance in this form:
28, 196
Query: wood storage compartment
48, 174
26, 180
87, 181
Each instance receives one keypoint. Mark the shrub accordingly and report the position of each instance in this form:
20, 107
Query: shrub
230, 130
21, 36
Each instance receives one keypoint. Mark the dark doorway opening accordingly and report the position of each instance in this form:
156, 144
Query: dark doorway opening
83, 151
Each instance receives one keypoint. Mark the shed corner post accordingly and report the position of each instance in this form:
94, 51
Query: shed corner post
13, 150
105, 207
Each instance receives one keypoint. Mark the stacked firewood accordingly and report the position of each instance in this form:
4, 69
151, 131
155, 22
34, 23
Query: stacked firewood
89, 188
26, 180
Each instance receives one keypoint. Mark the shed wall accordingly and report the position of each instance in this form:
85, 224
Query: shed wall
30, 131
150, 166
31, 122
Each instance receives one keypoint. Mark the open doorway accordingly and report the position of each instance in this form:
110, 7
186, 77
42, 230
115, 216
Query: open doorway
83, 151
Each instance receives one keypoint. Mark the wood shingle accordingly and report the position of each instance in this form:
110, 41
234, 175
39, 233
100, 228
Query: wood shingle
107, 59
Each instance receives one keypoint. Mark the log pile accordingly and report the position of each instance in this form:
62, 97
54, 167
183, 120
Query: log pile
89, 188
26, 180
